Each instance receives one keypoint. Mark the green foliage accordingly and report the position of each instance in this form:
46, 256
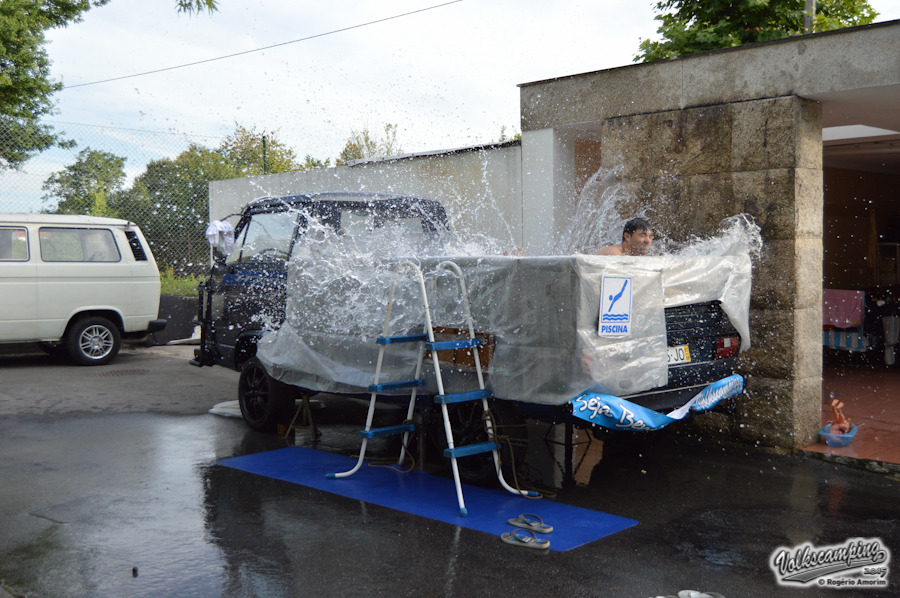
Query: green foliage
25, 83
170, 199
517, 136
178, 285
170, 202
198, 6
26, 87
310, 163
249, 153
88, 185
690, 26
363, 145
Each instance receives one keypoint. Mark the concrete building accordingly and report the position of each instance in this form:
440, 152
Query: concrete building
803, 134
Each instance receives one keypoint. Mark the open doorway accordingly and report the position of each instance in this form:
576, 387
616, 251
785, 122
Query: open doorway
861, 290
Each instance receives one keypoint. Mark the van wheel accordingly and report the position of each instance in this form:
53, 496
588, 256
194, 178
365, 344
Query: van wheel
264, 402
93, 341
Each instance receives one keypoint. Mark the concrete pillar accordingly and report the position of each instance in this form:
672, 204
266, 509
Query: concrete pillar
548, 194
777, 164
689, 169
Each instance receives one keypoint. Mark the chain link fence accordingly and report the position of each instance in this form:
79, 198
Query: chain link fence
159, 180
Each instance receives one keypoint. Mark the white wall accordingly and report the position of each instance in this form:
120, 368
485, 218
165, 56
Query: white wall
481, 187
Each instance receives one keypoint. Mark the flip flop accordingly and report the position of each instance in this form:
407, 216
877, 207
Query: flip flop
532, 522
518, 538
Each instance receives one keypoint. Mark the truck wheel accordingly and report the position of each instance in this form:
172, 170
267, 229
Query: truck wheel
468, 428
264, 402
93, 341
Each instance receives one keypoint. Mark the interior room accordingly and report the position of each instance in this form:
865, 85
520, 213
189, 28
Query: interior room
861, 288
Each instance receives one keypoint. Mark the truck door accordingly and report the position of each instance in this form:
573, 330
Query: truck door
247, 290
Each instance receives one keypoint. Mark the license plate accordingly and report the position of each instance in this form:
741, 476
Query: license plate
679, 354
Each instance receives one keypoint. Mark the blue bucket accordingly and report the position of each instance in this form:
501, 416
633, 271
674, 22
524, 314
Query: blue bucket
837, 440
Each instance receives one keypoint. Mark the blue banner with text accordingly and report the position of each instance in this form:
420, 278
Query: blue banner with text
616, 413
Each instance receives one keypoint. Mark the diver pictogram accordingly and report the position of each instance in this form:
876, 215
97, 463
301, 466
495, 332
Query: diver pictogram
615, 306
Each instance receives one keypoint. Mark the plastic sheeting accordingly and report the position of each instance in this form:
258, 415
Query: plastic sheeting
543, 314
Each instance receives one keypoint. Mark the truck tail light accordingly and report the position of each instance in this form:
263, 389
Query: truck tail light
727, 347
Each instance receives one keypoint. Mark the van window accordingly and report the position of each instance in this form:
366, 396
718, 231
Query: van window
13, 244
78, 245
136, 248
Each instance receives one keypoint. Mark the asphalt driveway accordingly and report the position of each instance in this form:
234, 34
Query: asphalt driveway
110, 487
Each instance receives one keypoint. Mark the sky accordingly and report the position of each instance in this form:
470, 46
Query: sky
447, 75
444, 71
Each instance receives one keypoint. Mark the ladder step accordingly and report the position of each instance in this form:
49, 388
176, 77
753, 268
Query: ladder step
387, 431
465, 343
409, 338
472, 449
462, 397
396, 385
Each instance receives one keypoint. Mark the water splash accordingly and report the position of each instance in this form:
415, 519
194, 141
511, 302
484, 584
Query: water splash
736, 235
598, 219
347, 276
595, 220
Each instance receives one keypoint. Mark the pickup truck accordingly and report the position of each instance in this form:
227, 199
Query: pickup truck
297, 306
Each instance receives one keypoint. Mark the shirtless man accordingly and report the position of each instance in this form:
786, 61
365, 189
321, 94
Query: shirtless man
637, 237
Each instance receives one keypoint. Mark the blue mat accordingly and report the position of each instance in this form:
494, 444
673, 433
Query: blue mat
430, 496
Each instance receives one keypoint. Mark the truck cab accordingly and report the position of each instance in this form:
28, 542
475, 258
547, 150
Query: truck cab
244, 294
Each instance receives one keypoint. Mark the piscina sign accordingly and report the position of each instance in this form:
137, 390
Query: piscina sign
615, 306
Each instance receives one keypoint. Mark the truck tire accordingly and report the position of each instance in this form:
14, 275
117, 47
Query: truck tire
93, 341
265, 402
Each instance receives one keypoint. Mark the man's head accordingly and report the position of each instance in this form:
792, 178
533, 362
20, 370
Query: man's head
637, 237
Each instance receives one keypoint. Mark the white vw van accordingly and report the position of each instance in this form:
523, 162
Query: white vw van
76, 282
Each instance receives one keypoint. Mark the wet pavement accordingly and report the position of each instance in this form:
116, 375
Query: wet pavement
110, 489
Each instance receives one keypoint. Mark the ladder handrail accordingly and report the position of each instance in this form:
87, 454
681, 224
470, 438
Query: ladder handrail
455, 270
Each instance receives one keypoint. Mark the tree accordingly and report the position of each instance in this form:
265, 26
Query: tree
170, 200
689, 26
250, 153
310, 163
26, 86
191, 6
89, 186
363, 144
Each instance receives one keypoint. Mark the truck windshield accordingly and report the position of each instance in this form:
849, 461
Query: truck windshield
266, 236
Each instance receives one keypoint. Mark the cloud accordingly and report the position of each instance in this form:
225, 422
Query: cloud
447, 77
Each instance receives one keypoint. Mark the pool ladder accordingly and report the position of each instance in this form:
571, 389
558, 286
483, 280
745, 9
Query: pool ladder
426, 341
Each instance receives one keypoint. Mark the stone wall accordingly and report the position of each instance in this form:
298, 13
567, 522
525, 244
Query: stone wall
691, 168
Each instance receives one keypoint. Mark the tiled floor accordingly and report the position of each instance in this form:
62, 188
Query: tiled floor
871, 398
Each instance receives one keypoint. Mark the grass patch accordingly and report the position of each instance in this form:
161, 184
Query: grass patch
179, 286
